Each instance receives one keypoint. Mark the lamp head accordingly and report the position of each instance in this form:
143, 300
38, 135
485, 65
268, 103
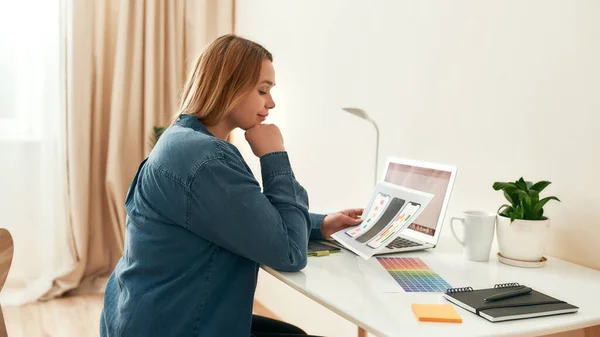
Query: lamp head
357, 112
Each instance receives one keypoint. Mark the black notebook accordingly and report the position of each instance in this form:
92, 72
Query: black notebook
532, 304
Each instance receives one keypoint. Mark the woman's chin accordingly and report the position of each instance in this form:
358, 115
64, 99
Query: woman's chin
249, 126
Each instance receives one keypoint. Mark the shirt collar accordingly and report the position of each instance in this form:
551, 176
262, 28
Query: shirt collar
190, 121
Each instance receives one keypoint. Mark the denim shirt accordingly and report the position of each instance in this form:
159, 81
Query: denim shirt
198, 227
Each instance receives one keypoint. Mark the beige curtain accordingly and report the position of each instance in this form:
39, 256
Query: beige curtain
126, 61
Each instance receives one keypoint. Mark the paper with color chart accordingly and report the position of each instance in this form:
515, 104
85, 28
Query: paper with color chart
391, 209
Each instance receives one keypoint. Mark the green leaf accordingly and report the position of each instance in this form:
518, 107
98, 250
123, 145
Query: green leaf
521, 184
500, 185
527, 207
540, 214
521, 214
540, 186
513, 194
521, 194
157, 132
508, 197
515, 213
540, 205
507, 208
534, 197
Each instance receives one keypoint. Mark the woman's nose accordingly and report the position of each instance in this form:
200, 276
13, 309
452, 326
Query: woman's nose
270, 103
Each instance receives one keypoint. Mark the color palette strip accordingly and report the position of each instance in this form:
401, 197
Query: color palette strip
413, 275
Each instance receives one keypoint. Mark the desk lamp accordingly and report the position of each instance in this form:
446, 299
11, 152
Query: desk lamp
362, 114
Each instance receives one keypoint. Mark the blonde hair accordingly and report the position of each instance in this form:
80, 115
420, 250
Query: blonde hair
224, 73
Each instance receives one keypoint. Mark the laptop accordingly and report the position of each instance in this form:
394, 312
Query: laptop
437, 179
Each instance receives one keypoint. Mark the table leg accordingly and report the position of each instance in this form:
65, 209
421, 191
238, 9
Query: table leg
362, 332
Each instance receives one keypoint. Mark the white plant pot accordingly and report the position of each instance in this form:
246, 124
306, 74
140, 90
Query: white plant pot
523, 239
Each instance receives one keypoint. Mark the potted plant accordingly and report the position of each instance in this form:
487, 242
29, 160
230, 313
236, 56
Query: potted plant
157, 132
522, 228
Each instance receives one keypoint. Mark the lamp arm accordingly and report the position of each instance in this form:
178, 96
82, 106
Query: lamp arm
376, 151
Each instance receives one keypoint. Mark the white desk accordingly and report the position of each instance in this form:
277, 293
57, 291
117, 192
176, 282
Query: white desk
339, 283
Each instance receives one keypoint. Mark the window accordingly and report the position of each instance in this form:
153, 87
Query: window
29, 67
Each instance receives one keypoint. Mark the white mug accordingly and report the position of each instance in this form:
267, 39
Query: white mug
478, 234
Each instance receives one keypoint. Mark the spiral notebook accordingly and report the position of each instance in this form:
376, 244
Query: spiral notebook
532, 304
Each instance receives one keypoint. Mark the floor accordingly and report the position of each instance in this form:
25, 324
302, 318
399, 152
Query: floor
78, 317
65, 317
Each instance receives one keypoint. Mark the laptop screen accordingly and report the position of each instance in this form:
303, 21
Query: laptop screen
426, 180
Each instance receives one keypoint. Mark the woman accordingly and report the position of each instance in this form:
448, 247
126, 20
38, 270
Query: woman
198, 225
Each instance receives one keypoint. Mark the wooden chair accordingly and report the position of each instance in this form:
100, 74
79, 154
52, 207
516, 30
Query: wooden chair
6, 256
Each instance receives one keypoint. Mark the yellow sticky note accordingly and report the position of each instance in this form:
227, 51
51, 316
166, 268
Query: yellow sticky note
436, 313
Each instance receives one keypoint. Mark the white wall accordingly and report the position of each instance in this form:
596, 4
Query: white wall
502, 89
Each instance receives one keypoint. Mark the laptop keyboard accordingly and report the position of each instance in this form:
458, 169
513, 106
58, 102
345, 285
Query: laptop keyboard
402, 243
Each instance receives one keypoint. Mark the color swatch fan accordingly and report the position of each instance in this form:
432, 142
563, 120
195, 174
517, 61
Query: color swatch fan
413, 275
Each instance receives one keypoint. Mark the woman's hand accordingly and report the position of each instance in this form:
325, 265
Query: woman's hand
337, 221
264, 138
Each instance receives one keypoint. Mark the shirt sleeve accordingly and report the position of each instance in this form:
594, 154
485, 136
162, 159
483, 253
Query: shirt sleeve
316, 221
270, 227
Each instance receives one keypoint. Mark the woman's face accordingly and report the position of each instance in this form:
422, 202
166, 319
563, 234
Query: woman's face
254, 108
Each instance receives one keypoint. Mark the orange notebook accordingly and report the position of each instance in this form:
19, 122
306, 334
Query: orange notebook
436, 313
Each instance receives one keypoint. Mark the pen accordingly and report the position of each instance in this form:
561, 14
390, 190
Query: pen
508, 294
